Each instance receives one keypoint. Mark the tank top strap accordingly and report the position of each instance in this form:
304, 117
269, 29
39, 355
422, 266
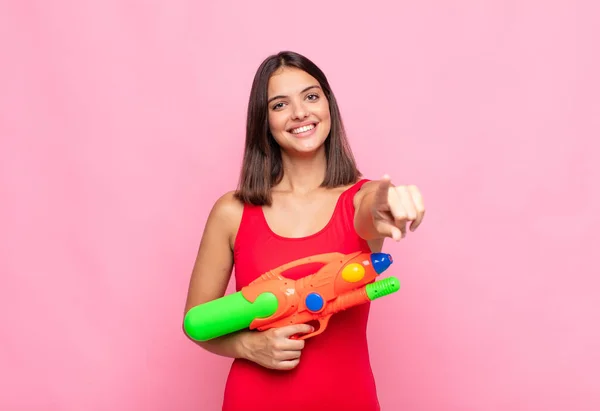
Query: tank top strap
251, 223
351, 191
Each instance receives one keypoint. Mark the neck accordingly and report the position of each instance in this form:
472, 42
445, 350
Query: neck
303, 174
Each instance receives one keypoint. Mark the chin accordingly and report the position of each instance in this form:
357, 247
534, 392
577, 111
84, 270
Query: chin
308, 147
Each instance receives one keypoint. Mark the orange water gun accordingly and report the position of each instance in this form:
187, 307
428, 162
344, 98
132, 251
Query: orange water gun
272, 300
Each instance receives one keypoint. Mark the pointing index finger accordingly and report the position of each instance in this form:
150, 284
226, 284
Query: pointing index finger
381, 194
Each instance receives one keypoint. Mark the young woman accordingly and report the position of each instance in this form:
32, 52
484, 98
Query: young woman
300, 194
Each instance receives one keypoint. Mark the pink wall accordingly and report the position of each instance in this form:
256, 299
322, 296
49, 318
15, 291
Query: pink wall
122, 121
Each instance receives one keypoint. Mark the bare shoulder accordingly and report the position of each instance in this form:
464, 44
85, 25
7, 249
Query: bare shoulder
227, 206
227, 214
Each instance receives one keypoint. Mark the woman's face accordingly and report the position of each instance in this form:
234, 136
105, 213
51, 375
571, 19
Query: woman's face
299, 116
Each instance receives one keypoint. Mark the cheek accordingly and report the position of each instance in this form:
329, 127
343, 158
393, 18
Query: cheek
275, 124
325, 117
323, 112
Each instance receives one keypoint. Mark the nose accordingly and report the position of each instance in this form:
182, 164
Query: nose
300, 112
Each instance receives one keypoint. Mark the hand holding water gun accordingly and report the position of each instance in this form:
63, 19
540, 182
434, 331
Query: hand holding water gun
273, 301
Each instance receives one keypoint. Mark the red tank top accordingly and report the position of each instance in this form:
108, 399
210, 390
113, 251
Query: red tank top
334, 372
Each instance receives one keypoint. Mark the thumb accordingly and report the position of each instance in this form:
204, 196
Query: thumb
388, 229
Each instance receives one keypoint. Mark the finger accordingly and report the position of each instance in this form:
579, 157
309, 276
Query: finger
419, 207
289, 344
406, 199
387, 229
381, 193
288, 355
288, 365
290, 330
287, 332
398, 211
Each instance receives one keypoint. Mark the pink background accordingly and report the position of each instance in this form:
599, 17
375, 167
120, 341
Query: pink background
122, 121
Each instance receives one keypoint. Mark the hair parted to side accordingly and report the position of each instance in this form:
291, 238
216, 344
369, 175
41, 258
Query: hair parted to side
262, 165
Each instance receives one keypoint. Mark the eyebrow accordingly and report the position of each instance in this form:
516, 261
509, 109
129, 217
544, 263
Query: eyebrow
305, 90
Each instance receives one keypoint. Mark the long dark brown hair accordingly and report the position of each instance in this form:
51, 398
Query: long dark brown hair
262, 166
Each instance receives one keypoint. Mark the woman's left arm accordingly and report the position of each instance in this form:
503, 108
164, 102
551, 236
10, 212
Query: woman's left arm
384, 210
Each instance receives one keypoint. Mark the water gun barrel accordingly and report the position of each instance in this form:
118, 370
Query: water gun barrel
226, 315
382, 288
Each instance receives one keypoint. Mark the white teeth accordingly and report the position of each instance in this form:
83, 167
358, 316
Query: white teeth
303, 129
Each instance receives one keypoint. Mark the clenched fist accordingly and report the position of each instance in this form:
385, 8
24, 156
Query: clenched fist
396, 206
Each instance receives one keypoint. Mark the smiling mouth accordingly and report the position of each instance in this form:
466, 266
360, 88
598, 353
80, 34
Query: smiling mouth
303, 129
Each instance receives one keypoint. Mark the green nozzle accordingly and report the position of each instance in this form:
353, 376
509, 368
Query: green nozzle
226, 315
382, 288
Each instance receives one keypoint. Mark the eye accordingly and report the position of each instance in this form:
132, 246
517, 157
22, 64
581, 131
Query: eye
313, 97
277, 106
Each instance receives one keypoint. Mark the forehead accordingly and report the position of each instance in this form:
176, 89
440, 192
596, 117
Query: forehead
288, 81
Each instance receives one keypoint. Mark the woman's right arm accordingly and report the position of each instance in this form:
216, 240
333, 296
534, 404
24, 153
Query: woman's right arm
213, 266
209, 279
